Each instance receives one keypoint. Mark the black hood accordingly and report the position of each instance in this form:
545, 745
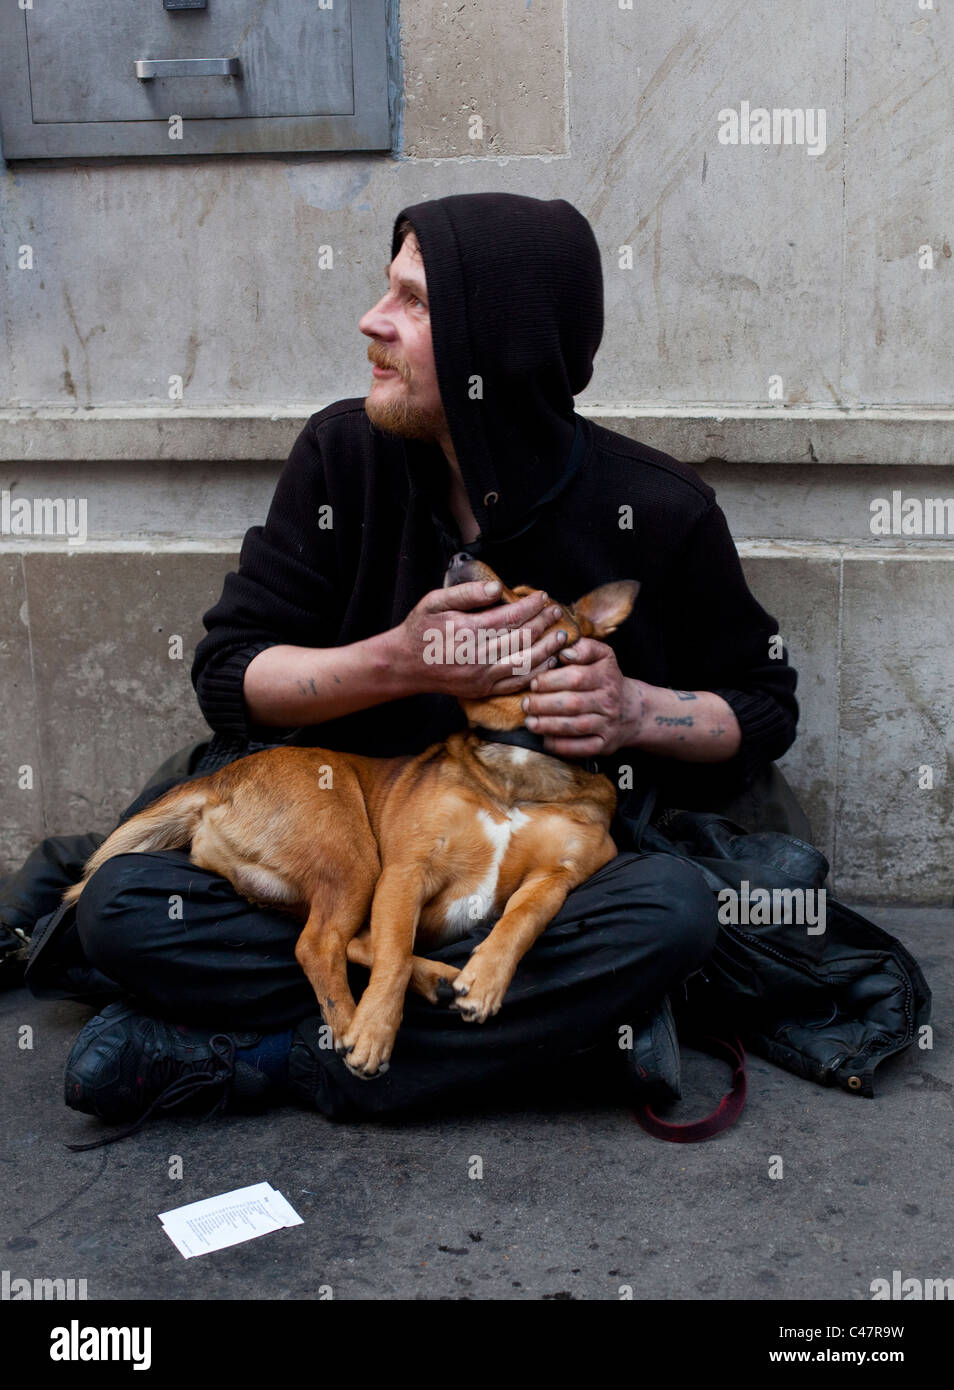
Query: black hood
515, 288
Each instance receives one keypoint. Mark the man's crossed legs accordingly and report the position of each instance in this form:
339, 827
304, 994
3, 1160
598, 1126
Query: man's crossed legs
210, 981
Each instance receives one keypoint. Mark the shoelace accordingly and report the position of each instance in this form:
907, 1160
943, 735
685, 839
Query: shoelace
218, 1071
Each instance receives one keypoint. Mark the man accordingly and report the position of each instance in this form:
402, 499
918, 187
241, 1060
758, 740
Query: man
488, 326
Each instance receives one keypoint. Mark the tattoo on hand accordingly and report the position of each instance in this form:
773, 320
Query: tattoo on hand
308, 687
669, 721
684, 694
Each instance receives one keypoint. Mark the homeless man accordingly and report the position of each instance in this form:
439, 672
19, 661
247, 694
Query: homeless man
468, 439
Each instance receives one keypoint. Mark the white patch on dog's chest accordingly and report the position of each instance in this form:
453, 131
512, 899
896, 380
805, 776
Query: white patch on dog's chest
465, 913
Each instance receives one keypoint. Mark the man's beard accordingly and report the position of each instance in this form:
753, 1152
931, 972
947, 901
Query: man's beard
405, 417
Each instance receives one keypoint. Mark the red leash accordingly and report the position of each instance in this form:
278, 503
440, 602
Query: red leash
726, 1113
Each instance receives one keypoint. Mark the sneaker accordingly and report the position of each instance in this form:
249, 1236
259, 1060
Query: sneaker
126, 1065
653, 1059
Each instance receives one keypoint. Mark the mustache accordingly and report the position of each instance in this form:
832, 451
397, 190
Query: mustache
380, 359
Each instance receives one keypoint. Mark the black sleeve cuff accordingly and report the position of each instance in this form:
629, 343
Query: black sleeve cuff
768, 731
219, 690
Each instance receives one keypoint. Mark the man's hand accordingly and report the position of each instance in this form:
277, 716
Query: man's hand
583, 707
586, 708
430, 646
288, 685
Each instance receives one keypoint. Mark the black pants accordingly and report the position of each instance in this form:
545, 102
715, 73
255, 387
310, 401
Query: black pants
180, 942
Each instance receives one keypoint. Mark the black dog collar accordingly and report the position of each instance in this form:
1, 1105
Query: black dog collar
523, 738
520, 738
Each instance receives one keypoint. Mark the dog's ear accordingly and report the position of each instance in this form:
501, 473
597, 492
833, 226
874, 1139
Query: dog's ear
608, 606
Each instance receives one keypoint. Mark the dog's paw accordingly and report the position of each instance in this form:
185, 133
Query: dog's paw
433, 979
480, 988
366, 1047
445, 994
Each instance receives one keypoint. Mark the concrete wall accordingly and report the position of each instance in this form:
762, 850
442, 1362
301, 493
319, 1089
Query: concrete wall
772, 317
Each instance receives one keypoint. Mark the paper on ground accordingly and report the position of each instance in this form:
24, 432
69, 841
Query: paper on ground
217, 1222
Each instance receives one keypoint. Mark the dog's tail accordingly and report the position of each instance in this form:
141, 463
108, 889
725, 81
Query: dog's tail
169, 823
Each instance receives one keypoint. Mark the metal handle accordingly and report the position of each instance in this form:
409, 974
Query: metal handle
188, 67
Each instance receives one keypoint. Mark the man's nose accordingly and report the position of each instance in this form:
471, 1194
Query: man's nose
375, 323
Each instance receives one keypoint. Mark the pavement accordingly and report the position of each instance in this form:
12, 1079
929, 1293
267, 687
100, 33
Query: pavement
573, 1200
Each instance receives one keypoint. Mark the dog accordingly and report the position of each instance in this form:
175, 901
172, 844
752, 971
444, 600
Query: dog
476, 829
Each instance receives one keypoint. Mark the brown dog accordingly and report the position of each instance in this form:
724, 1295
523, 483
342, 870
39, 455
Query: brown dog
471, 830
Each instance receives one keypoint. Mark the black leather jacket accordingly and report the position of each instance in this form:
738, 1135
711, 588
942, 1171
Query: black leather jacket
828, 1006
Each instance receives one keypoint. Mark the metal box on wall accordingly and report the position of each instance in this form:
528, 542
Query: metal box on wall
180, 77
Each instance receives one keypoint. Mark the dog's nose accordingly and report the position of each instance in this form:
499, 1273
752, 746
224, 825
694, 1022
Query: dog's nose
464, 567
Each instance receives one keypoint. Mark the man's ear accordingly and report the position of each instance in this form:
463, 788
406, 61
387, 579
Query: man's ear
608, 606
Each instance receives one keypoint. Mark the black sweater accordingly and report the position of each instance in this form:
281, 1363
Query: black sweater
562, 504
